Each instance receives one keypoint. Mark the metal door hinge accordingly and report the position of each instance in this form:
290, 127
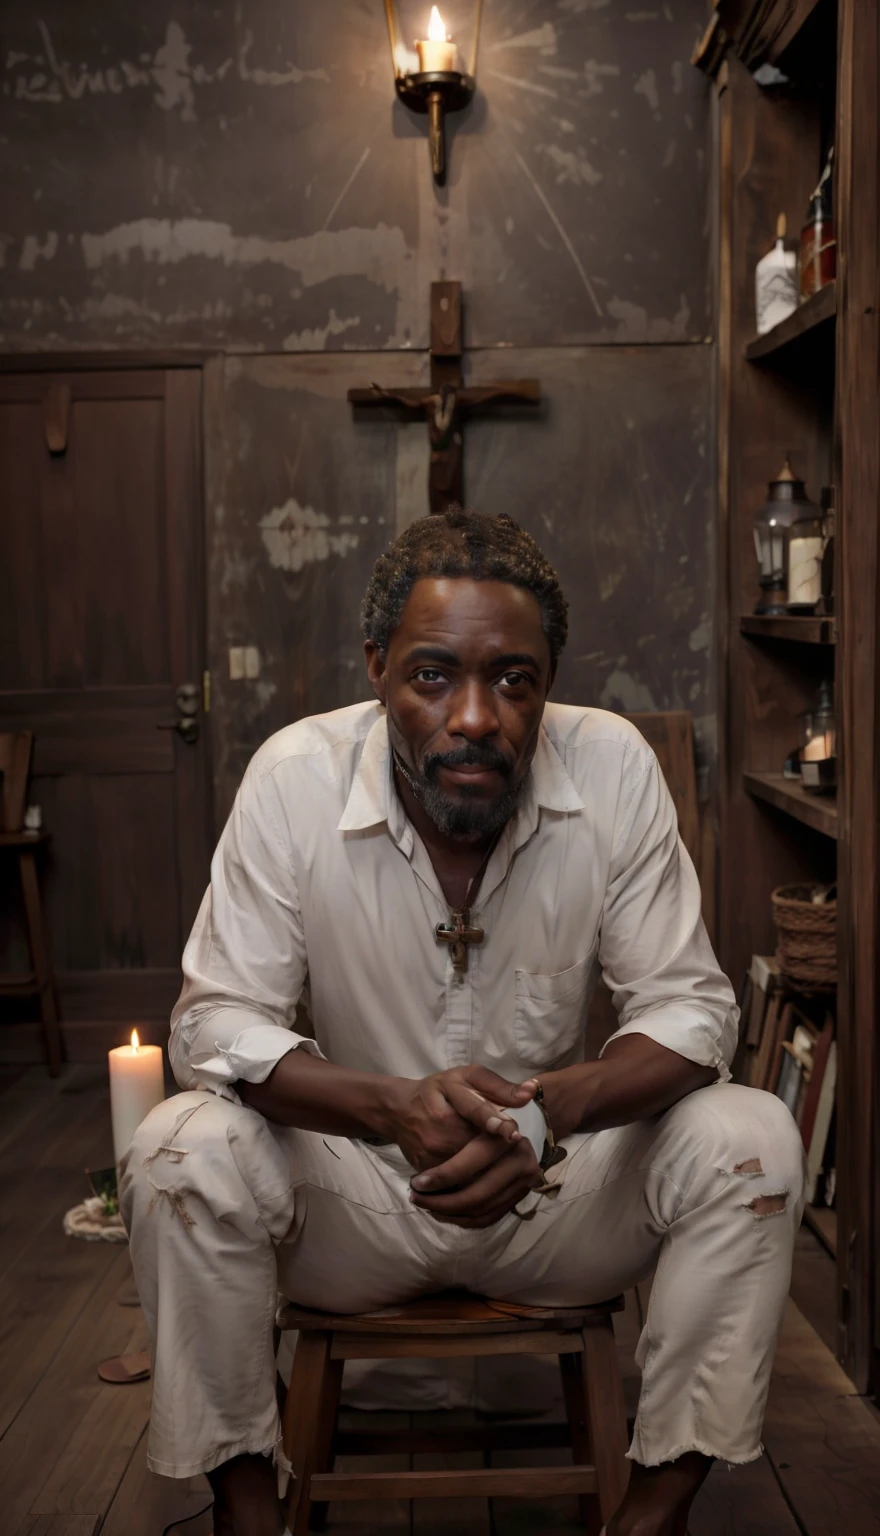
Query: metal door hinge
206, 691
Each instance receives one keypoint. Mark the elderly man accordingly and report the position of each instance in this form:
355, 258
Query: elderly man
438, 876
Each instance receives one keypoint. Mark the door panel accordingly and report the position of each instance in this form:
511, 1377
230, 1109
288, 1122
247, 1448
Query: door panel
101, 620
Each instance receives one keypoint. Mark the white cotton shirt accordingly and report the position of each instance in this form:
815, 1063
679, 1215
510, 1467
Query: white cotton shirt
322, 893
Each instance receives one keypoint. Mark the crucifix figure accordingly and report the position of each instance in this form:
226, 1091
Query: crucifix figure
448, 401
459, 936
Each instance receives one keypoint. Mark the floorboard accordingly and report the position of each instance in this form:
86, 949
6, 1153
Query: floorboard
742, 1501
68, 1448
146, 1503
824, 1440
62, 1525
46, 1279
814, 1286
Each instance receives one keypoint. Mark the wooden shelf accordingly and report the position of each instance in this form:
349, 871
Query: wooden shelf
805, 631
807, 318
816, 811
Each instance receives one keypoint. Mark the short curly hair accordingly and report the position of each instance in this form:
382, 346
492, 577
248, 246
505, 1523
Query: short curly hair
459, 543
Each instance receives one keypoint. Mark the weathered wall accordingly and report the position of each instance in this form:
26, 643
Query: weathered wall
240, 175
239, 178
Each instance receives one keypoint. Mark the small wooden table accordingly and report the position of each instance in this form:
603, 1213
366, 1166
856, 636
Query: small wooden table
39, 981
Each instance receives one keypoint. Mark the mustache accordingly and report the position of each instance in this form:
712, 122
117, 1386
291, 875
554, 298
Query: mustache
473, 755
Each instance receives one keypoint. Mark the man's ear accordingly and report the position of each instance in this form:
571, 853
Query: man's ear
376, 663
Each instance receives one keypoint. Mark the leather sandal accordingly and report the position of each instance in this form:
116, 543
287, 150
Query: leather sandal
119, 1370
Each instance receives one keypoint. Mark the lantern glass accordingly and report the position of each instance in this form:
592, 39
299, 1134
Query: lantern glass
817, 733
786, 502
430, 39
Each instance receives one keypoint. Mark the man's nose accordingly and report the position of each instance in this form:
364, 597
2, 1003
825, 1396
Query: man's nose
474, 714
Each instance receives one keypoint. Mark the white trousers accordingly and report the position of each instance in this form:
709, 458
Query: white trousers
224, 1209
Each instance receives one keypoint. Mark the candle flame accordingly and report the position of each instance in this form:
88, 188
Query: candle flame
135, 1042
436, 28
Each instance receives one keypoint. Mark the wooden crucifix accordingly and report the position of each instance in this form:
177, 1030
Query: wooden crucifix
458, 935
448, 401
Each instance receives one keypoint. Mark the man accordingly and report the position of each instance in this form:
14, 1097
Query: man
440, 875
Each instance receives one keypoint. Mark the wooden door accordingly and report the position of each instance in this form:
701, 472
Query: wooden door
101, 625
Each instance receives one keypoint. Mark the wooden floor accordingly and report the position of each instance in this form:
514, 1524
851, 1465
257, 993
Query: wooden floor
72, 1450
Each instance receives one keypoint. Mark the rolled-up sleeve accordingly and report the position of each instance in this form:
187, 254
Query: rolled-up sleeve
245, 963
654, 950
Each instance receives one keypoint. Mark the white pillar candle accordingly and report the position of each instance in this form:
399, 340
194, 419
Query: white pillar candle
819, 748
437, 52
805, 570
137, 1085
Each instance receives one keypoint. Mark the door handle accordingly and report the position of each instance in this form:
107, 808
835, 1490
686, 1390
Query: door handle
186, 727
186, 697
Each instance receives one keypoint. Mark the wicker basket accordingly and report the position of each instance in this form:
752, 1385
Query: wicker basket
806, 932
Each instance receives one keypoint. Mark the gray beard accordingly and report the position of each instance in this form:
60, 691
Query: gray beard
461, 815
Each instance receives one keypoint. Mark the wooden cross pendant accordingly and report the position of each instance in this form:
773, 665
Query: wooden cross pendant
459, 937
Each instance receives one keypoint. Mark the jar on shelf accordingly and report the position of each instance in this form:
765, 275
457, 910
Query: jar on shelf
806, 546
776, 284
818, 251
817, 732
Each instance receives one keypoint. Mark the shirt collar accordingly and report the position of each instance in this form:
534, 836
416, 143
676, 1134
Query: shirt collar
373, 798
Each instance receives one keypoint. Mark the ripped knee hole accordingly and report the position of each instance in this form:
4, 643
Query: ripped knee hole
767, 1205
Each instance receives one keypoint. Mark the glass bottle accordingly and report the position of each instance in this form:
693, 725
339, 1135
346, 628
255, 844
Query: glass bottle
818, 253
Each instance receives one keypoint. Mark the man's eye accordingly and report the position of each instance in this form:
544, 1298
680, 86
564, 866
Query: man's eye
429, 675
514, 679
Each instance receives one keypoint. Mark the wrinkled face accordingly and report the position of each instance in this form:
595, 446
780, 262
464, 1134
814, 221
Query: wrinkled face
464, 683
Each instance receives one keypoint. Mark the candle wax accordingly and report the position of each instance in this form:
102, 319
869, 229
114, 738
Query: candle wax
137, 1085
435, 58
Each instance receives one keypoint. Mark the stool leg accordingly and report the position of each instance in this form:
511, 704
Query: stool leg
301, 1426
574, 1392
606, 1414
38, 941
326, 1434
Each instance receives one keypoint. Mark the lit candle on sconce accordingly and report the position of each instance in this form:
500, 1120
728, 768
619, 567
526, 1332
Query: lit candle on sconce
137, 1085
437, 52
437, 73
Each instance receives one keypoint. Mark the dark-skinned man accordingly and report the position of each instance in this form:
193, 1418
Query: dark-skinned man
440, 875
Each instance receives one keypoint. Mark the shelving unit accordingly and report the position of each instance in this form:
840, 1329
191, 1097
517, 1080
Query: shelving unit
802, 326
803, 631
791, 798
811, 388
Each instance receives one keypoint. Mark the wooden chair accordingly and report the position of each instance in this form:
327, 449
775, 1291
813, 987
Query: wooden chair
442, 1326
15, 761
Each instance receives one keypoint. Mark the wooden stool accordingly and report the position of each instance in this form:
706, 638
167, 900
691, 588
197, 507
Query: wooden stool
443, 1326
15, 760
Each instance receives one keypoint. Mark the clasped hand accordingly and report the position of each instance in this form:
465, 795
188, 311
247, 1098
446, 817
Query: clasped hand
474, 1164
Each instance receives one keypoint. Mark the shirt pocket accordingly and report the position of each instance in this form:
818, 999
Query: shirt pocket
551, 1012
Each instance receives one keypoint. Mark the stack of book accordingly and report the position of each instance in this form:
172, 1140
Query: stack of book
787, 1050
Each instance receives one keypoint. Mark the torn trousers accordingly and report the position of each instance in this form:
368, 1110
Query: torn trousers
225, 1209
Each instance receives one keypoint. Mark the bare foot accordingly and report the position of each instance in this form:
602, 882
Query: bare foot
658, 1498
246, 1498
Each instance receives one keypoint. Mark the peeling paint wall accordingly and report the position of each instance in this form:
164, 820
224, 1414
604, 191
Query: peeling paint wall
241, 179
242, 176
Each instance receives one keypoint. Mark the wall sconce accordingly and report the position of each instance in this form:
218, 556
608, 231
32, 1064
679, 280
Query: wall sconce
434, 69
